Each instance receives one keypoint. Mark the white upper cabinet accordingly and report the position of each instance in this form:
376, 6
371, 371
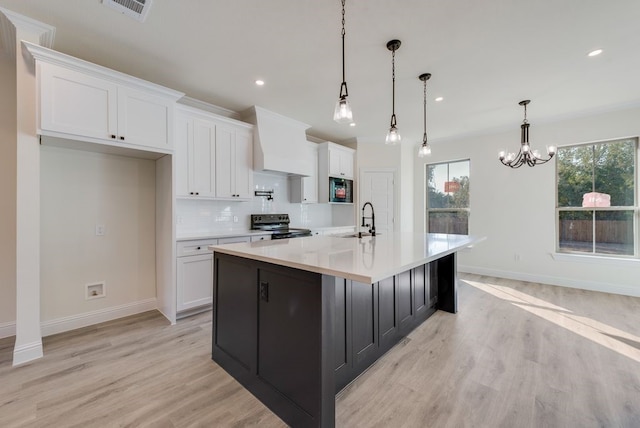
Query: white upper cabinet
214, 156
86, 102
340, 160
201, 151
305, 189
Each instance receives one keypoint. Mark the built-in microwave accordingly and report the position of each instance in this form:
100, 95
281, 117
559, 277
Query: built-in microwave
340, 190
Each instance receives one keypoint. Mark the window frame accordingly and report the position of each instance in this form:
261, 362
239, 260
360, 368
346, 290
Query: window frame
445, 210
635, 209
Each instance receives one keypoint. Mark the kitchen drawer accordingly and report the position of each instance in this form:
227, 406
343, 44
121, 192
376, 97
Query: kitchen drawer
192, 248
260, 238
234, 239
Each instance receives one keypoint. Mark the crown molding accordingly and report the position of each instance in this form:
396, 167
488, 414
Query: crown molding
10, 22
50, 56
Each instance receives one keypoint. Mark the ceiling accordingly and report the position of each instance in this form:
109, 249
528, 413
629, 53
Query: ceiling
484, 57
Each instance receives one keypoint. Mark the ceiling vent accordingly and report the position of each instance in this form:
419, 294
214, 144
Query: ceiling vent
136, 9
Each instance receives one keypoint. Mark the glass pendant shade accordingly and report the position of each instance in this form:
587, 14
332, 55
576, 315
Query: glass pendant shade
342, 113
393, 136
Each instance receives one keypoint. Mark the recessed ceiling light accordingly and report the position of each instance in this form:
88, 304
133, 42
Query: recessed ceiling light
439, 99
595, 53
260, 82
352, 124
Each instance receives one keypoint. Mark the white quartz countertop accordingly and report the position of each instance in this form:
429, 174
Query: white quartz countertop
367, 260
216, 235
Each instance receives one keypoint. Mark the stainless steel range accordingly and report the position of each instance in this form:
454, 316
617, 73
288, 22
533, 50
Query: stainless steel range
278, 224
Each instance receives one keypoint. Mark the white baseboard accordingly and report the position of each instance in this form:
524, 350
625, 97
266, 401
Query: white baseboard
25, 353
7, 329
73, 322
552, 280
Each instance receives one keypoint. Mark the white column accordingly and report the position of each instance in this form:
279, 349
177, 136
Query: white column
28, 345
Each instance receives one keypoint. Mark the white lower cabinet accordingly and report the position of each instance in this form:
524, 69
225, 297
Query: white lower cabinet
194, 272
195, 281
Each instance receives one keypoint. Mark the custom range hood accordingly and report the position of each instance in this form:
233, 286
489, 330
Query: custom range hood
278, 142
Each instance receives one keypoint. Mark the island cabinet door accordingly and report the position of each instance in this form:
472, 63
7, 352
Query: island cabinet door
364, 319
405, 302
388, 313
235, 323
290, 323
342, 333
423, 303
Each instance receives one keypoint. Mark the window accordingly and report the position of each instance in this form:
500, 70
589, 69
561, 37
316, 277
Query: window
597, 204
448, 197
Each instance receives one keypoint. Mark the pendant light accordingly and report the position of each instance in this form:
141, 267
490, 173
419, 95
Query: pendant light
525, 154
342, 112
424, 149
393, 136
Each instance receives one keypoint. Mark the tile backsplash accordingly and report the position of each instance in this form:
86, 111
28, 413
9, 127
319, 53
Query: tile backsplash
207, 216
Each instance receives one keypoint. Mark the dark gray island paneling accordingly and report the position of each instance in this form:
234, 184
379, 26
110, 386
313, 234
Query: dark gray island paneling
295, 337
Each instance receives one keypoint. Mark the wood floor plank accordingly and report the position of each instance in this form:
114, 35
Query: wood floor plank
516, 354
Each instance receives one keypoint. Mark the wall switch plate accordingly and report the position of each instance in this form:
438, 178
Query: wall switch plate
100, 229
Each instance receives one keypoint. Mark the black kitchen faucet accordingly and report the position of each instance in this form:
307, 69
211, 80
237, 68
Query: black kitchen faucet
372, 229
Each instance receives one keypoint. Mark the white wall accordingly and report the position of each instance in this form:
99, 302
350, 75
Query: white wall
7, 195
80, 189
379, 155
515, 209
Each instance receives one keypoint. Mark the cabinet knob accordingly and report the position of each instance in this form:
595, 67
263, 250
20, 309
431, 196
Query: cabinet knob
113, 136
197, 193
191, 193
198, 248
122, 138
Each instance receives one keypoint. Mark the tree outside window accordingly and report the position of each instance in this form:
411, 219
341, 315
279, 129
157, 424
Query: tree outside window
596, 198
448, 197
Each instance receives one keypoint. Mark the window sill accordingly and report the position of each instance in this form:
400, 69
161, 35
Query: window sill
581, 258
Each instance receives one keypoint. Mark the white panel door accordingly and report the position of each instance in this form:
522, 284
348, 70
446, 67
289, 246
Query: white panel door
377, 187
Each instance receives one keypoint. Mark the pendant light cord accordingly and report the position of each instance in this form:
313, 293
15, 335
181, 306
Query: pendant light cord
424, 137
393, 88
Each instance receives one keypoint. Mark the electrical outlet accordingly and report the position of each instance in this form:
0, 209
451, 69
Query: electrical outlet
100, 229
235, 218
516, 257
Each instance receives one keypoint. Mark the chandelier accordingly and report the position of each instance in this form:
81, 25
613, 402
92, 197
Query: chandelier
525, 156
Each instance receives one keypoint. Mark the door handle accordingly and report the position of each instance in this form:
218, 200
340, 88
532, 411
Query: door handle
264, 291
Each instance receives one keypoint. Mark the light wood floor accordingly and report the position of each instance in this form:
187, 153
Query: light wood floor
516, 355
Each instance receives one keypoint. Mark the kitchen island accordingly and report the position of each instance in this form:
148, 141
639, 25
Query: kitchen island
296, 320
